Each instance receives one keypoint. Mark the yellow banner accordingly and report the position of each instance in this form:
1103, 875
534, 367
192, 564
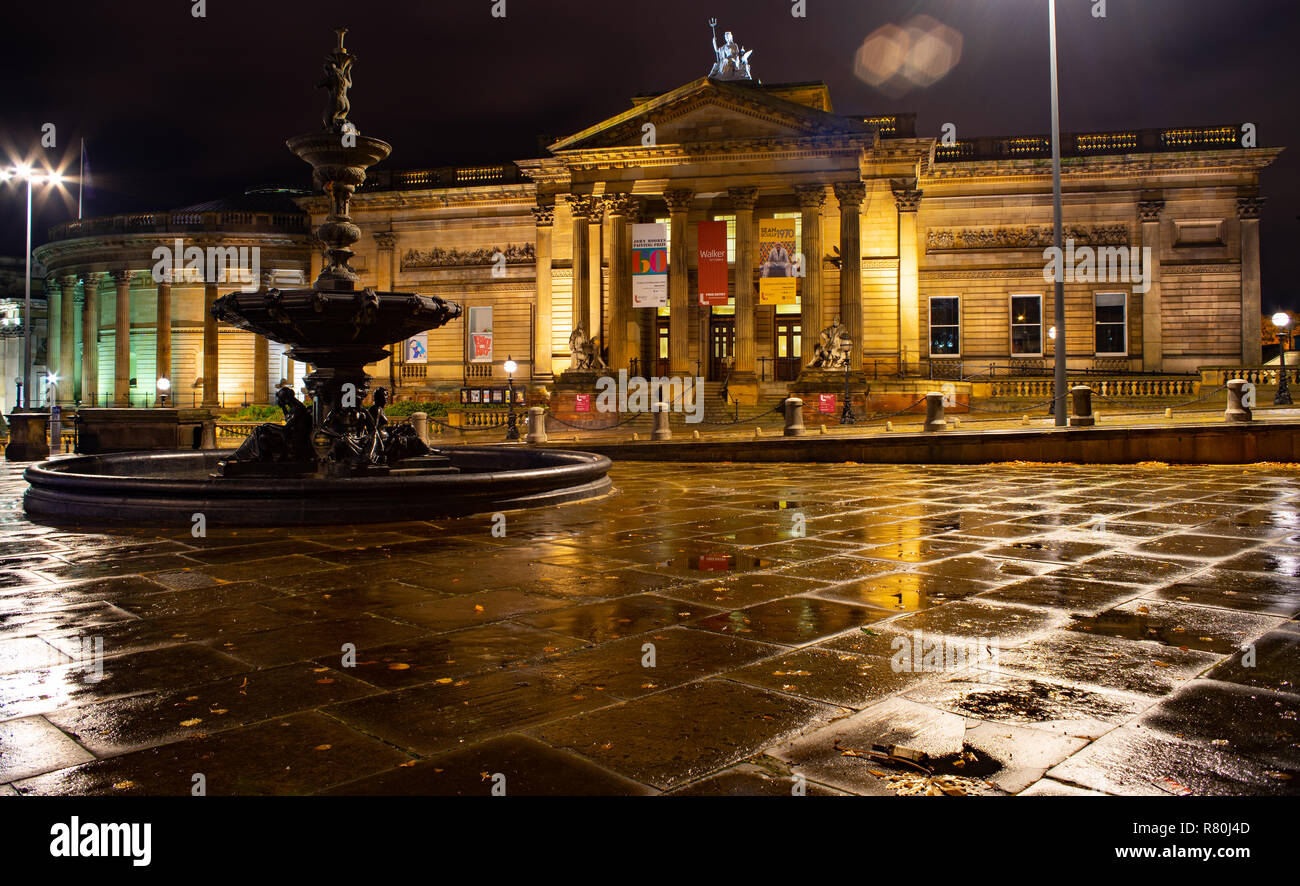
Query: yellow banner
776, 257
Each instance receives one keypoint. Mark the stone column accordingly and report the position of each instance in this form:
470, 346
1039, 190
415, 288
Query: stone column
90, 339
53, 332
679, 343
1248, 209
163, 335
262, 351
581, 209
811, 200
909, 279
850, 196
386, 241
210, 355
122, 337
1152, 333
67, 340
544, 216
595, 301
743, 201
624, 334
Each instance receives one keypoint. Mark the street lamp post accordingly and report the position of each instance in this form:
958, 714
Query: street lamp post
846, 417
164, 385
24, 171
1058, 392
512, 421
1282, 321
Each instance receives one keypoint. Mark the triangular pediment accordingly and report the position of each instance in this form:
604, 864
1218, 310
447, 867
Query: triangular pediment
710, 111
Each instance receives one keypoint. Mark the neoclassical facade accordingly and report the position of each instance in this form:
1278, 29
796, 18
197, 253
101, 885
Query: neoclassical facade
931, 253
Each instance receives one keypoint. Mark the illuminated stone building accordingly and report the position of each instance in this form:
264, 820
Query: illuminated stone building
932, 253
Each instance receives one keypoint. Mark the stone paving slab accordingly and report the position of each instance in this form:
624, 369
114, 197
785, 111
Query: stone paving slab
1075, 630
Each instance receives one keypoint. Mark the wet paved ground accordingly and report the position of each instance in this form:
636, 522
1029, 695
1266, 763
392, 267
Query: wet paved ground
1038, 630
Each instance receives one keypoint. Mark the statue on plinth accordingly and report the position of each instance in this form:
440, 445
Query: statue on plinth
731, 62
583, 356
833, 348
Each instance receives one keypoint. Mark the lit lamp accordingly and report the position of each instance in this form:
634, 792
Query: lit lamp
24, 172
512, 422
1282, 320
164, 385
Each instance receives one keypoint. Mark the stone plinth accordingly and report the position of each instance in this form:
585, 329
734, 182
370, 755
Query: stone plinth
572, 385
28, 436
125, 430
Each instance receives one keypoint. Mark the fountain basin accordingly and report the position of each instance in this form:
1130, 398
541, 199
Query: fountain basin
169, 488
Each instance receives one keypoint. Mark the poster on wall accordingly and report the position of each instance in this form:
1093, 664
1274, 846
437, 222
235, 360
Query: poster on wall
650, 266
480, 335
713, 263
417, 349
776, 270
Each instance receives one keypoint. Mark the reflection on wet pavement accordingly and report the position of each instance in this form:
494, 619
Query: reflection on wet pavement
742, 629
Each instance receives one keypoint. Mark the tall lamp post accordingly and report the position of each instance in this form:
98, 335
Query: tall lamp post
1282, 320
24, 172
512, 421
1059, 391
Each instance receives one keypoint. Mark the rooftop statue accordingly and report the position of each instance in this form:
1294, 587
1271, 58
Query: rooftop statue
338, 80
731, 62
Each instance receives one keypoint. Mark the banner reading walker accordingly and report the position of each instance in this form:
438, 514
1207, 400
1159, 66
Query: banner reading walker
713, 262
776, 268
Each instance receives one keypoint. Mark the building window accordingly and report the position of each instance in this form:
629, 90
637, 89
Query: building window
731, 235
1111, 312
945, 326
1027, 325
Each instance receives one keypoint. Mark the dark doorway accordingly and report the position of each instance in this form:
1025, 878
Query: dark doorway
722, 345
789, 348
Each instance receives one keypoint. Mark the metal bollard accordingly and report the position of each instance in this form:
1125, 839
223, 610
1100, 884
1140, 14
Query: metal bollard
934, 420
536, 425
1240, 393
660, 430
420, 424
1081, 414
794, 417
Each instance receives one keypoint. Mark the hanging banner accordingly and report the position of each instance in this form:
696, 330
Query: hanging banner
713, 263
417, 349
776, 253
480, 334
650, 266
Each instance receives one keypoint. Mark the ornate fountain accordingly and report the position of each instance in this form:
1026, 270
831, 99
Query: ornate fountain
340, 461
337, 326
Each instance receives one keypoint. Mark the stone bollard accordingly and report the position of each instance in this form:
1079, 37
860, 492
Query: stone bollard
208, 434
1081, 414
420, 424
1237, 410
794, 417
536, 425
661, 431
934, 420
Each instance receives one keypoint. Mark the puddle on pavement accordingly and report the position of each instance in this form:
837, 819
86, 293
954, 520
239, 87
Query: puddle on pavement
1143, 626
722, 563
1033, 702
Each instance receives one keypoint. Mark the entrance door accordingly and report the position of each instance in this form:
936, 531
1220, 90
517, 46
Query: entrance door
661, 344
722, 345
789, 341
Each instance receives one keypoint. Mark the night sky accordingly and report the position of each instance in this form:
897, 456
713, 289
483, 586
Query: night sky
178, 110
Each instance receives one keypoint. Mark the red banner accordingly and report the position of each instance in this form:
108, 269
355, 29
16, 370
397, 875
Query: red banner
713, 263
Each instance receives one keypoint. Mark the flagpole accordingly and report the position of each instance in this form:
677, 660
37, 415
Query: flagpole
81, 178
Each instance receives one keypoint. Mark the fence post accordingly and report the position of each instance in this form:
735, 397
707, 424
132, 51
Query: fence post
536, 425
1081, 415
661, 431
934, 418
794, 417
1239, 393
